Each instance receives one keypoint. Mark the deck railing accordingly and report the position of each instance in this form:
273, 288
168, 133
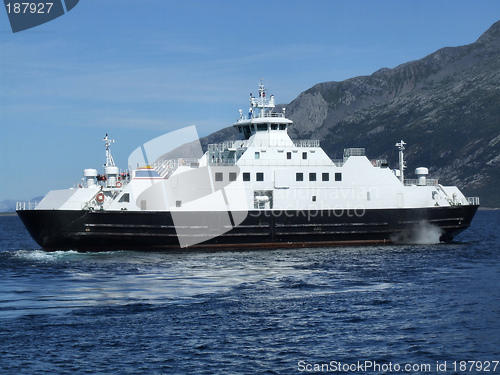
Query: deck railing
22, 206
354, 152
474, 201
414, 181
301, 143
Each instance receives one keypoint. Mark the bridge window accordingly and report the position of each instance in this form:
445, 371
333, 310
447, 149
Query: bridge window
282, 126
246, 131
274, 126
125, 198
261, 127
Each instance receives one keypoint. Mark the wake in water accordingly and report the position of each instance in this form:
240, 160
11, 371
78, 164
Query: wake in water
423, 233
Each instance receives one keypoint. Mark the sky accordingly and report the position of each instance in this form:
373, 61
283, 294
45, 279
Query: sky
138, 69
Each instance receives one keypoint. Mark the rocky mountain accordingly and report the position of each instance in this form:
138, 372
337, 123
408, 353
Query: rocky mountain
445, 106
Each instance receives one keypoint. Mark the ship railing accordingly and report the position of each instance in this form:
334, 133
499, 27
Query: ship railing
271, 114
474, 201
306, 143
302, 143
166, 167
414, 181
22, 206
225, 145
353, 151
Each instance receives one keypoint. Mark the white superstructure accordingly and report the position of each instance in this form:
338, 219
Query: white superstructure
263, 169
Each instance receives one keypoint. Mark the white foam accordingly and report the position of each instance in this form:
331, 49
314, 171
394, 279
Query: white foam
41, 255
422, 233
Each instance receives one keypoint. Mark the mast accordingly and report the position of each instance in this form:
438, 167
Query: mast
109, 159
402, 164
261, 102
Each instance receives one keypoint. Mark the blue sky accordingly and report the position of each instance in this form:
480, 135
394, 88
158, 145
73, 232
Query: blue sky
137, 69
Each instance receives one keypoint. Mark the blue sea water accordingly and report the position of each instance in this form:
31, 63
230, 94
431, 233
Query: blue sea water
285, 311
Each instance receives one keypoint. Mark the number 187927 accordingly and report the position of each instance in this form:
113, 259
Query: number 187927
28, 7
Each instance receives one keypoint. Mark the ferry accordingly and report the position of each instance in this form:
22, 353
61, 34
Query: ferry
263, 190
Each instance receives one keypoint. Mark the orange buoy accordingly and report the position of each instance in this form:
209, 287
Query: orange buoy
99, 198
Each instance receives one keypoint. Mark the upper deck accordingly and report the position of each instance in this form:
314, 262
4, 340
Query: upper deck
261, 116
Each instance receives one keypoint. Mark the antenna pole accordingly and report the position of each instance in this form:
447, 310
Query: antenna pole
402, 165
109, 159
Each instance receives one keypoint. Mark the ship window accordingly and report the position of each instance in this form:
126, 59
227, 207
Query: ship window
218, 176
312, 176
257, 155
178, 203
240, 129
282, 126
125, 198
261, 127
304, 155
338, 176
259, 176
246, 176
232, 176
246, 131
325, 177
314, 198
274, 126
288, 155
299, 176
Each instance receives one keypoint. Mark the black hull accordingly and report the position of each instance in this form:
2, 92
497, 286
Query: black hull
146, 230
